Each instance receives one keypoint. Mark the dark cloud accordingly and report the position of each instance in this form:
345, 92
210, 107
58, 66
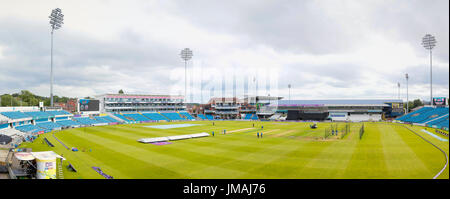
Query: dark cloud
78, 60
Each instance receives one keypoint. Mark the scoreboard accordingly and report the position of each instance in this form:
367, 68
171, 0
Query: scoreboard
439, 101
89, 105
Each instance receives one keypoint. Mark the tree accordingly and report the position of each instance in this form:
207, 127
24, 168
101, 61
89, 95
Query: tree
120, 91
413, 104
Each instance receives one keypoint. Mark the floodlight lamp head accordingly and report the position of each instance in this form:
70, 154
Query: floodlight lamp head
186, 54
406, 75
56, 19
428, 42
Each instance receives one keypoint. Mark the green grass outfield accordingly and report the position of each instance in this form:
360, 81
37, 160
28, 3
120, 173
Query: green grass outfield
287, 150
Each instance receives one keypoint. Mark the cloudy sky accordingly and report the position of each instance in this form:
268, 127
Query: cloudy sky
324, 49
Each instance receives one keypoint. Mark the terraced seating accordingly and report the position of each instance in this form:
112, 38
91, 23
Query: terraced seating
110, 119
86, 120
67, 123
187, 115
427, 115
155, 116
61, 112
414, 113
38, 114
248, 116
209, 117
15, 115
29, 128
123, 118
254, 117
173, 116
136, 117
3, 119
48, 125
201, 116
101, 119
437, 121
444, 123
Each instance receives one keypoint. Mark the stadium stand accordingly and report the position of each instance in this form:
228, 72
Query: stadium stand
29, 128
38, 114
209, 117
123, 117
424, 114
5, 125
136, 116
86, 120
172, 116
251, 117
49, 125
187, 115
61, 112
68, 123
3, 119
428, 116
110, 119
101, 119
15, 115
155, 116
201, 116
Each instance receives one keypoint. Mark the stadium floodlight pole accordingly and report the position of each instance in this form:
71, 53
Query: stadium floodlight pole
56, 20
407, 94
429, 42
398, 85
186, 54
289, 86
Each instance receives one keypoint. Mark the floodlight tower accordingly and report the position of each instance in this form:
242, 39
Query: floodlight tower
289, 86
56, 20
407, 94
429, 42
398, 85
186, 54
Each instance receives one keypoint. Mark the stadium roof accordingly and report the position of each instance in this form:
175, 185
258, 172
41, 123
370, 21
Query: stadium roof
357, 102
140, 96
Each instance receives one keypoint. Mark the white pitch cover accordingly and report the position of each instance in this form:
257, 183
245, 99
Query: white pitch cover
172, 138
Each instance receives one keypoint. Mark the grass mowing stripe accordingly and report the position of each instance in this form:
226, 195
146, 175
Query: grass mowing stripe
84, 161
401, 158
443, 152
126, 155
368, 160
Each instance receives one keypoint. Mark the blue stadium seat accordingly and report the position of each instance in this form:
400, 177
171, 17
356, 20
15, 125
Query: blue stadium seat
48, 125
123, 118
68, 123
187, 115
29, 128
173, 116
15, 115
201, 116
105, 119
55, 113
136, 116
38, 114
86, 120
209, 117
155, 116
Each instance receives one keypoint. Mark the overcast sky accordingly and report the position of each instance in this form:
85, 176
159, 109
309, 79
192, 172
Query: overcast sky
324, 49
